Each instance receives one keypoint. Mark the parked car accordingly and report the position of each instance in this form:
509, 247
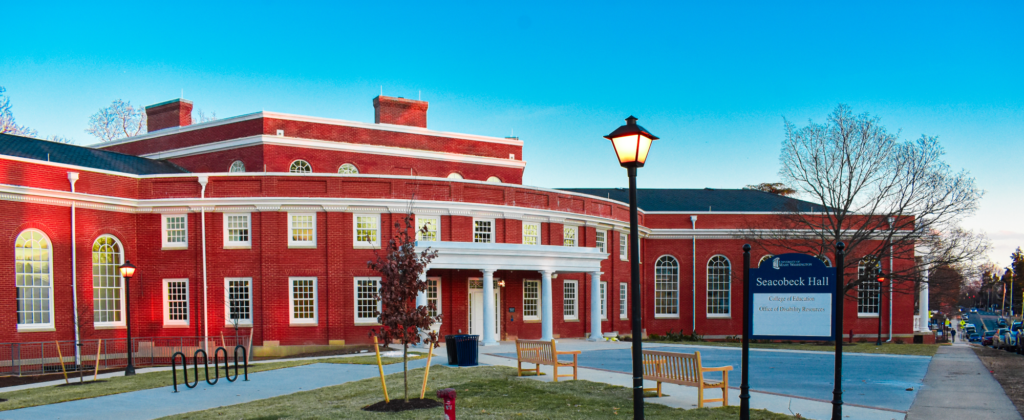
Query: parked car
998, 340
1001, 323
986, 338
1009, 340
975, 337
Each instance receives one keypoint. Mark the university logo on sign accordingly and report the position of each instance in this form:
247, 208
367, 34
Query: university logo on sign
792, 298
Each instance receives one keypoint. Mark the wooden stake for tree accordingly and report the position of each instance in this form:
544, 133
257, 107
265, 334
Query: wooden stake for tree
248, 351
430, 354
222, 342
61, 357
380, 366
99, 346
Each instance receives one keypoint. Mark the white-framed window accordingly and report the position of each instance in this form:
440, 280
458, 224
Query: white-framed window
434, 295
623, 301
238, 300
367, 307
531, 300
237, 233
601, 240
494, 179
531, 233
824, 259
302, 230
483, 231
107, 285
570, 297
764, 258
604, 300
623, 247
33, 273
174, 231
348, 169
869, 291
666, 287
237, 166
432, 225
300, 167
569, 235
719, 287
366, 230
455, 175
302, 300
175, 293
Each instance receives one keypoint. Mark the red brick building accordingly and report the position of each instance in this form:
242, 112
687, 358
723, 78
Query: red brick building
270, 218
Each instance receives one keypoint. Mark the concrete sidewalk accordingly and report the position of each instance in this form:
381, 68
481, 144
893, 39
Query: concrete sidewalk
958, 386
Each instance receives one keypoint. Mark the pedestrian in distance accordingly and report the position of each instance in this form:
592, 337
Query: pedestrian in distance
952, 336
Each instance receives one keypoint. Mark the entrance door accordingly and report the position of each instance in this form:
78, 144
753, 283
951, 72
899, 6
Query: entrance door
476, 308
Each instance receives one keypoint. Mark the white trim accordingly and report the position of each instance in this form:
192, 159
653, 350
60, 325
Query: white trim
356, 243
678, 283
603, 287
301, 244
228, 244
292, 321
355, 301
440, 301
623, 300
575, 235
335, 146
539, 235
576, 300
538, 298
227, 302
494, 230
120, 323
163, 232
435, 218
188, 305
37, 327
602, 245
623, 246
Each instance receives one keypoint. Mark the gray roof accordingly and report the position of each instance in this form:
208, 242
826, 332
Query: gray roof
30, 148
699, 200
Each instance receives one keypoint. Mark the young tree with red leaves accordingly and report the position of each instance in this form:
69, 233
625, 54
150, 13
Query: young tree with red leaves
401, 320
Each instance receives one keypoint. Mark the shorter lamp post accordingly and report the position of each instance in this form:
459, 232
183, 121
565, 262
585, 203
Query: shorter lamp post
880, 277
127, 271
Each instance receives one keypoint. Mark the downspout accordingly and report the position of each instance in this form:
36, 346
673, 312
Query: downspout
891, 220
203, 180
73, 177
693, 225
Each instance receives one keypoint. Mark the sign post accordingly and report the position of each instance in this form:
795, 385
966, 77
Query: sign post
792, 297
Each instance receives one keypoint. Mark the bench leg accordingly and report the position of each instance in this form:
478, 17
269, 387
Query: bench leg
519, 370
556, 371
700, 396
659, 389
725, 389
575, 366
537, 367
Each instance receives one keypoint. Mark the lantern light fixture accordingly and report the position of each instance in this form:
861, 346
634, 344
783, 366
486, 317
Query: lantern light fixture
632, 143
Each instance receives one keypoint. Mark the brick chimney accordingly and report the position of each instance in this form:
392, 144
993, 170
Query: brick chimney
170, 114
400, 111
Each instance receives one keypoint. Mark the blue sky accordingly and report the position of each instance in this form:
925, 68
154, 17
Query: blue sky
713, 79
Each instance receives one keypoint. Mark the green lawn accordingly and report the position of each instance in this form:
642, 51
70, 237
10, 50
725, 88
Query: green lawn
483, 392
55, 394
870, 347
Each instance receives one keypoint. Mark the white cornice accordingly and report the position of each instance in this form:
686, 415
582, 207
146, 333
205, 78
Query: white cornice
316, 120
333, 146
75, 167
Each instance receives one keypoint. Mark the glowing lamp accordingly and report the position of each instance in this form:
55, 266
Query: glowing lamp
127, 270
632, 143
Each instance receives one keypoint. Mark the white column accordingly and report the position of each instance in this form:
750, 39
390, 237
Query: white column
595, 307
923, 304
421, 300
547, 326
490, 337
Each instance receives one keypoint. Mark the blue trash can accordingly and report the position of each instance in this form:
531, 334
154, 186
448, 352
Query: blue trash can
450, 344
468, 347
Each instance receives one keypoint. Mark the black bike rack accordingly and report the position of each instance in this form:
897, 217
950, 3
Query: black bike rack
206, 366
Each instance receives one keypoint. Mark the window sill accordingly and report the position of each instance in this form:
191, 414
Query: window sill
365, 246
531, 321
301, 246
240, 325
719, 316
174, 247
175, 325
871, 316
571, 320
109, 327
237, 246
300, 324
675, 317
366, 324
623, 318
36, 329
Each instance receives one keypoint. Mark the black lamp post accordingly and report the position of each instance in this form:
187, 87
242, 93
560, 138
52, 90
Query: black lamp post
632, 143
127, 271
881, 298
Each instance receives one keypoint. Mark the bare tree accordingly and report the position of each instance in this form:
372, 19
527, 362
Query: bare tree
880, 195
776, 188
117, 121
7, 123
60, 139
201, 117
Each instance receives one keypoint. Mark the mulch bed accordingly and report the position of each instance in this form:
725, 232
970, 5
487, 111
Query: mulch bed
6, 381
340, 352
1007, 368
397, 405
74, 382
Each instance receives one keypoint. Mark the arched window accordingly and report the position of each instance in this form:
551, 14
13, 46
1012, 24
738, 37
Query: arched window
869, 290
824, 259
719, 286
33, 271
107, 290
455, 175
764, 258
666, 287
237, 166
300, 167
348, 169
494, 179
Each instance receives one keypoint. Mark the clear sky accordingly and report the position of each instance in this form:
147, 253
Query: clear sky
713, 79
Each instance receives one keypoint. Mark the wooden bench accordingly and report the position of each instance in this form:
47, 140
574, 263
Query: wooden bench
544, 353
684, 369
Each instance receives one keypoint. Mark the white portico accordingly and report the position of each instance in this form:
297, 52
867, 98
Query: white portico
543, 259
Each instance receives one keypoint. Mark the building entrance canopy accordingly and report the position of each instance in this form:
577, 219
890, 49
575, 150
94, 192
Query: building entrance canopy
545, 259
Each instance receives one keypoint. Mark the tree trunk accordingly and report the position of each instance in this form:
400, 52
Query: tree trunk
405, 368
